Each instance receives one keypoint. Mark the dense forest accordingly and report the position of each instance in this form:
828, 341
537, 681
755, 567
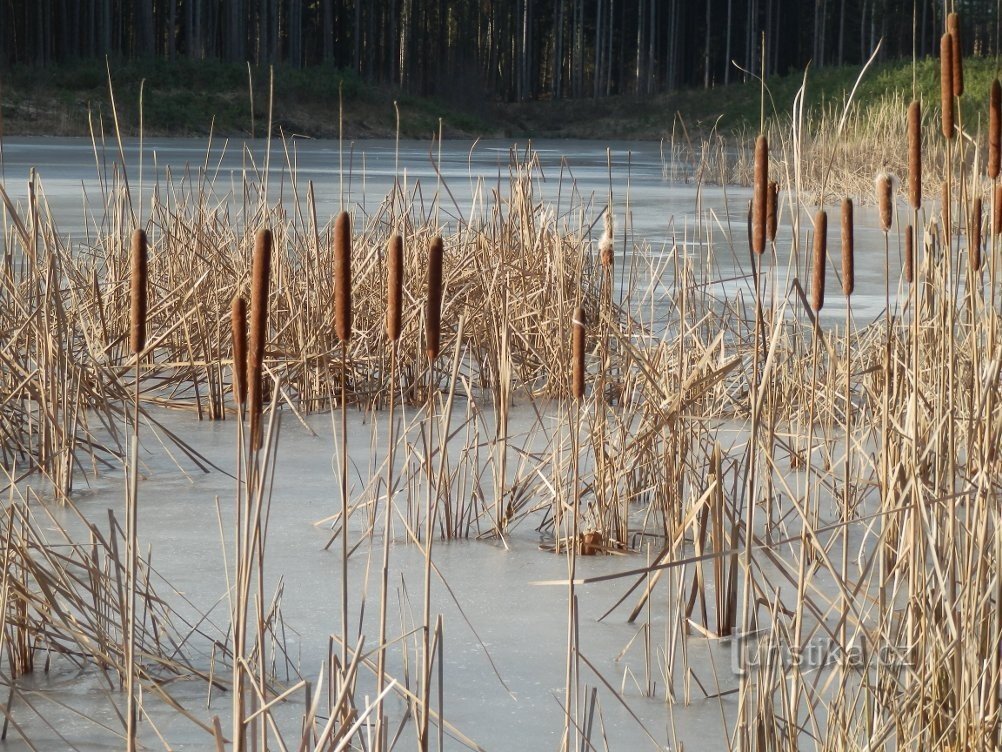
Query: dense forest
508, 49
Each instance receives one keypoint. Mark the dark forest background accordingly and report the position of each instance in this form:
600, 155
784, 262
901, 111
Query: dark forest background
512, 50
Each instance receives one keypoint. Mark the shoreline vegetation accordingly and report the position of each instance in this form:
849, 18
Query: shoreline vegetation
713, 137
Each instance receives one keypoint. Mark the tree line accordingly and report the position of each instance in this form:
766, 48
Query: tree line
506, 49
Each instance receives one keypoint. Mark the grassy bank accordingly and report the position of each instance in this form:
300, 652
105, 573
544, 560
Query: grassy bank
187, 98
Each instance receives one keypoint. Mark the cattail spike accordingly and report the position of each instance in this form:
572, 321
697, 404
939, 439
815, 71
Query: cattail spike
238, 332
974, 236
995, 130
577, 355
760, 198
946, 83
772, 211
818, 264
140, 291
342, 277
945, 208
848, 249
909, 254
997, 211
956, 54
433, 316
885, 200
260, 281
394, 286
915, 155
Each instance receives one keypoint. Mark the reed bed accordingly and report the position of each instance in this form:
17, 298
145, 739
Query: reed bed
776, 479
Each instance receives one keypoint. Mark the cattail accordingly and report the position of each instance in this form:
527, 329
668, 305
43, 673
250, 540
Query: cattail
238, 331
394, 286
606, 245
139, 292
995, 130
997, 211
342, 277
577, 355
974, 236
260, 279
433, 316
818, 265
915, 155
848, 249
946, 83
760, 197
884, 202
772, 211
956, 54
909, 254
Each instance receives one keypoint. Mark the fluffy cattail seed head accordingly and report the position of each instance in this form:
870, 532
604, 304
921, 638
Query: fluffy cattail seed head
139, 292
760, 198
946, 83
606, 246
848, 249
260, 281
885, 188
394, 286
342, 277
974, 236
818, 263
956, 54
772, 211
909, 254
238, 332
915, 155
577, 355
995, 130
433, 314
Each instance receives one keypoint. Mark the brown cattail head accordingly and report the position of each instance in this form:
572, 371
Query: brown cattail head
995, 130
342, 277
956, 53
818, 264
915, 155
394, 286
238, 331
260, 280
974, 236
997, 211
885, 187
909, 254
139, 292
772, 211
577, 354
433, 315
760, 198
946, 83
848, 249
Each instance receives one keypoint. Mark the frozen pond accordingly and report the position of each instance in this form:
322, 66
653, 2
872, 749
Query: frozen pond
656, 201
